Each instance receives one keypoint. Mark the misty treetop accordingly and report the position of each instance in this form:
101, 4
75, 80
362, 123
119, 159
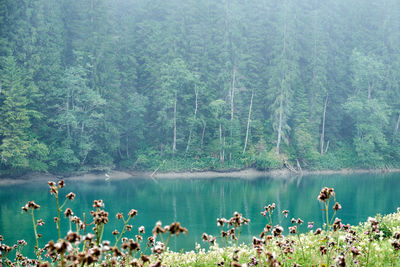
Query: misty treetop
196, 84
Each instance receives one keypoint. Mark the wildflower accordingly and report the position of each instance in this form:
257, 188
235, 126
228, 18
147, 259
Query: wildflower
68, 213
40, 222
73, 237
396, 245
395, 236
115, 232
323, 250
51, 183
98, 203
129, 227
132, 213
285, 213
293, 220
299, 221
176, 228
61, 184
70, 196
221, 222
19, 242
141, 229
158, 229
277, 231
355, 251
318, 231
150, 241
131, 245
144, 258
204, 236
310, 225
337, 224
341, 260
325, 194
292, 230
337, 206
119, 216
374, 224
33, 205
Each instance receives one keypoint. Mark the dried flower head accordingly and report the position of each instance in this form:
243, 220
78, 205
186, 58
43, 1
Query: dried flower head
318, 231
277, 231
325, 194
141, 229
285, 213
337, 206
61, 184
70, 196
68, 213
396, 235
132, 213
115, 232
98, 203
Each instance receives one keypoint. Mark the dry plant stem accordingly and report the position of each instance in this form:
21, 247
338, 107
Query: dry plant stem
168, 239
36, 236
369, 246
123, 230
327, 216
58, 216
301, 245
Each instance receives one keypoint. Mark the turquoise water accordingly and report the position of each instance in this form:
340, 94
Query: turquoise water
196, 203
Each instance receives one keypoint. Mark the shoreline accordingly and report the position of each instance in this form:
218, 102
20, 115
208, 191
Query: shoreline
249, 173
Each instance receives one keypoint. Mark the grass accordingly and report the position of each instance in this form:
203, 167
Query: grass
372, 243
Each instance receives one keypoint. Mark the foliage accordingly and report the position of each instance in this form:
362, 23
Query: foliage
198, 84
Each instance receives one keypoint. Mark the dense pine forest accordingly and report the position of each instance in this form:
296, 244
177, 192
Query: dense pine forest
199, 84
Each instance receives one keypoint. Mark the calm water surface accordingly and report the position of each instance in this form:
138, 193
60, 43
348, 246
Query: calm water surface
196, 203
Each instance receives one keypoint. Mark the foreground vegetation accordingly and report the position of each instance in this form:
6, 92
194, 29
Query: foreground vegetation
372, 243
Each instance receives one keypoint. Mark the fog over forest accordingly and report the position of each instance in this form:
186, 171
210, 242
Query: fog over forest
199, 84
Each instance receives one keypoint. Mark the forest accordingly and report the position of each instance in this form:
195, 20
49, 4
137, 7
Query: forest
199, 84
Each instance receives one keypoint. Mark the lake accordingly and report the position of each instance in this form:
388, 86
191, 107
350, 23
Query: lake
197, 203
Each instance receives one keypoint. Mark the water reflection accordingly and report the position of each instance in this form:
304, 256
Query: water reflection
196, 203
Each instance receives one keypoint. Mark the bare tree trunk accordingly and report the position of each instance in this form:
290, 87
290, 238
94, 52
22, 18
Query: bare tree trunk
202, 135
232, 109
248, 122
278, 143
127, 147
369, 91
322, 140
196, 92
174, 141
221, 145
396, 129
327, 146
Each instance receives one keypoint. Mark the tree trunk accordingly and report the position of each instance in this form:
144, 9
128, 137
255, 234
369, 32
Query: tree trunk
396, 129
221, 156
127, 147
248, 122
196, 92
278, 143
174, 141
232, 110
322, 140
202, 135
